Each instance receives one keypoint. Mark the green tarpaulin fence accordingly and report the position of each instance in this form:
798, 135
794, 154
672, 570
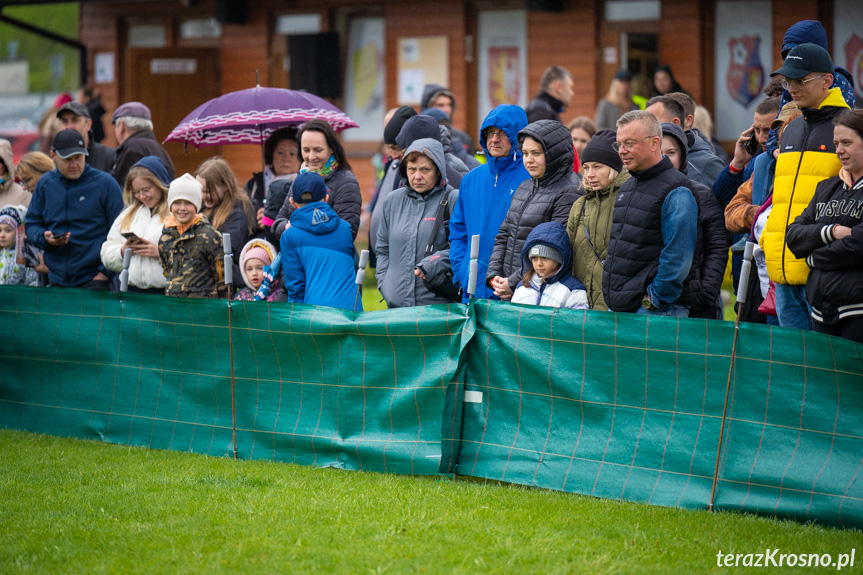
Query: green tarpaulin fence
612, 405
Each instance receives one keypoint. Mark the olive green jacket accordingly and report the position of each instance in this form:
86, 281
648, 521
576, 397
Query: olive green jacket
591, 215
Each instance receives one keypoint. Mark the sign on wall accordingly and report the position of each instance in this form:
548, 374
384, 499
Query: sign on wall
421, 61
743, 63
848, 41
502, 59
365, 81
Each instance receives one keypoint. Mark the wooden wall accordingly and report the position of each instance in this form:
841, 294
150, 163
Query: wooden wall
567, 39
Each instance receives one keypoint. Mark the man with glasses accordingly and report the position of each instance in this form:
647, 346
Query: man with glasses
485, 194
654, 226
70, 214
806, 156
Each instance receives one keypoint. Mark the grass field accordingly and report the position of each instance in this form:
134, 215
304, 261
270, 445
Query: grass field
73, 506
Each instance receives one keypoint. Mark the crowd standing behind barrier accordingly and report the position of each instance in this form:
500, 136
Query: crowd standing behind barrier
68, 242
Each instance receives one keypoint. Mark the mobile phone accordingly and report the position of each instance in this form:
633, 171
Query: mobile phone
130, 236
752, 146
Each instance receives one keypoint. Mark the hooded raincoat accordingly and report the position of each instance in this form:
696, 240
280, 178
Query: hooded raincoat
484, 198
558, 290
405, 230
11, 192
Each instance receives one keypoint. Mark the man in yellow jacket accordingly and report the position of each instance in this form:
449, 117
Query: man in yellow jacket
806, 156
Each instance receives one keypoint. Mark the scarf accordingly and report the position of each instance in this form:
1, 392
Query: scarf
331, 166
270, 177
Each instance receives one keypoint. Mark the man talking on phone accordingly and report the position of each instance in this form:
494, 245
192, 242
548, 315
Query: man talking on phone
750, 143
70, 214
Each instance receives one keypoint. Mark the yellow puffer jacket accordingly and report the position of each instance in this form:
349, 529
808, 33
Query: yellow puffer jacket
806, 157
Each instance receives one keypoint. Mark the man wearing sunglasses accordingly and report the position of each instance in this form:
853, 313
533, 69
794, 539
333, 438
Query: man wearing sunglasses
806, 156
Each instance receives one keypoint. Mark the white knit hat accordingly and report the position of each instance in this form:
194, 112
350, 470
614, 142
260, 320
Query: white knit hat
186, 187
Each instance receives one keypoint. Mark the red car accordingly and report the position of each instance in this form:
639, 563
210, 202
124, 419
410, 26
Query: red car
23, 141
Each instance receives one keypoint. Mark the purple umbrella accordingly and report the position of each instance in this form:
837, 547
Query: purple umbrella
249, 116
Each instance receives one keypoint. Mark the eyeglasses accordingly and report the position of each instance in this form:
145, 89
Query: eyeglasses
25, 183
798, 83
490, 133
142, 192
627, 145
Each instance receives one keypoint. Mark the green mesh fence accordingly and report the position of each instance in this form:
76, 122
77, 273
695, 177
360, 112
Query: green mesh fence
143, 371
612, 405
320, 386
628, 407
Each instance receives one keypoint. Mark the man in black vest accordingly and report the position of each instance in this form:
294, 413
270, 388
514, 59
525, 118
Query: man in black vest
654, 226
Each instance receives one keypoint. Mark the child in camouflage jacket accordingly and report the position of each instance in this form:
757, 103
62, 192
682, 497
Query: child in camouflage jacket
190, 249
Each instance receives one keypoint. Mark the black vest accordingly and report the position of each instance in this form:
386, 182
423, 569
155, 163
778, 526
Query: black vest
636, 235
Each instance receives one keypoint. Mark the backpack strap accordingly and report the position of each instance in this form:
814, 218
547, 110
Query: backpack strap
438, 220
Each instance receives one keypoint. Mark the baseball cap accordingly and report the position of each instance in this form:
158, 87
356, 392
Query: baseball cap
804, 59
623, 76
131, 110
309, 187
68, 143
76, 108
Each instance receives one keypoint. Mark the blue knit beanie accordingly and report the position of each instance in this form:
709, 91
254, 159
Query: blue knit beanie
155, 165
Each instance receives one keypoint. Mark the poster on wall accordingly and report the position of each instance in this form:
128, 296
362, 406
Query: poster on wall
502, 59
421, 61
848, 41
365, 82
744, 57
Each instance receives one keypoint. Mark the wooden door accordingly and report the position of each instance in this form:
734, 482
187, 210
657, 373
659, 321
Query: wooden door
172, 82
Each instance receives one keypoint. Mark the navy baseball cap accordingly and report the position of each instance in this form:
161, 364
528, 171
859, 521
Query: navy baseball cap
804, 59
67, 143
309, 187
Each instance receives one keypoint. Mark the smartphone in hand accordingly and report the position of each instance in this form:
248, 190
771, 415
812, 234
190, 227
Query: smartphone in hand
752, 146
130, 236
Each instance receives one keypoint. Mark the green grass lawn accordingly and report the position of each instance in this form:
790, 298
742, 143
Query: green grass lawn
73, 506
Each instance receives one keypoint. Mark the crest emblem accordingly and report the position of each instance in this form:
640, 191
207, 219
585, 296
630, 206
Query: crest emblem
319, 217
745, 76
854, 60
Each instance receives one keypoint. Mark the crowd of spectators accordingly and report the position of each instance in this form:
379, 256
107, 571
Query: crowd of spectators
634, 211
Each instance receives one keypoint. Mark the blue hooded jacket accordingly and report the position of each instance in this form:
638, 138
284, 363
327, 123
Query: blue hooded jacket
318, 258
483, 200
551, 234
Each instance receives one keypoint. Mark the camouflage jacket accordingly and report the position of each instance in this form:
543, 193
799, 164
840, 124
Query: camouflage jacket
193, 261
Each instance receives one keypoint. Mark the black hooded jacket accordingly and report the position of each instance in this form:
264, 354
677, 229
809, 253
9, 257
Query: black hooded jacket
536, 201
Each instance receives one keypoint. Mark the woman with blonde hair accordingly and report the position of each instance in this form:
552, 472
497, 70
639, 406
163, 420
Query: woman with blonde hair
228, 209
702, 121
139, 226
31, 167
616, 102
